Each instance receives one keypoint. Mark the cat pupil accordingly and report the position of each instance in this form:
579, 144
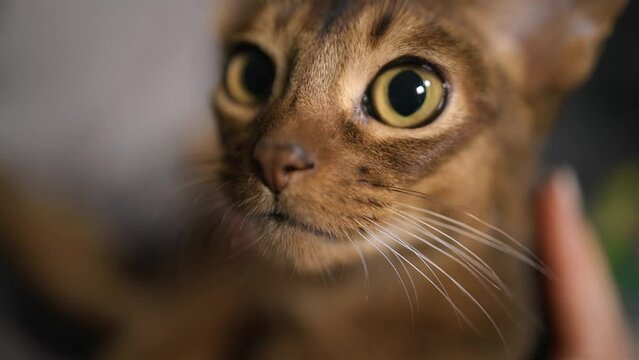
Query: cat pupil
259, 74
407, 92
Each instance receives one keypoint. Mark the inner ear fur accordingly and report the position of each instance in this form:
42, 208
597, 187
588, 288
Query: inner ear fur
546, 45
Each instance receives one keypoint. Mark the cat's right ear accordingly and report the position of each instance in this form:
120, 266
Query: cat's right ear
232, 15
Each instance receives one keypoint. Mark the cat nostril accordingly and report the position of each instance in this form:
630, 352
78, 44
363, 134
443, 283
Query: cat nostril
276, 162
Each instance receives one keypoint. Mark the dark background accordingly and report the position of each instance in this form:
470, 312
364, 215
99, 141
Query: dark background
599, 126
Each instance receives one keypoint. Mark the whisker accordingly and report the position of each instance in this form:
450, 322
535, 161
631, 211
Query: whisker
483, 269
470, 297
410, 302
410, 278
442, 290
419, 221
482, 237
412, 313
247, 216
498, 300
430, 269
248, 246
517, 302
231, 207
461, 223
468, 267
531, 258
364, 264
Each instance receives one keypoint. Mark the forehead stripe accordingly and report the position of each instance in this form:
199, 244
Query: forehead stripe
384, 20
335, 10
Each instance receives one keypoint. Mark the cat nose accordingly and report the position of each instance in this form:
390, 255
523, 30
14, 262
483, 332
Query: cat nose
277, 162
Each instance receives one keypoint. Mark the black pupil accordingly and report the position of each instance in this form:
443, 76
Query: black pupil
259, 74
407, 92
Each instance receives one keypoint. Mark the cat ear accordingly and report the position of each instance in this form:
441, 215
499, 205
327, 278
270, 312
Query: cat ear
229, 15
547, 45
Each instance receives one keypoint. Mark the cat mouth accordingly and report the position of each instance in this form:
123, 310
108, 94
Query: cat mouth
281, 218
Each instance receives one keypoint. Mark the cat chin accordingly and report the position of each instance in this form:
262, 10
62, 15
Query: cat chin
304, 249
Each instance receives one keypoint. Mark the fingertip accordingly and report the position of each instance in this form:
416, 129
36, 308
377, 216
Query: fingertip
560, 211
566, 185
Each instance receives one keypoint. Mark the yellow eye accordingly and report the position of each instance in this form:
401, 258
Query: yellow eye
407, 96
250, 74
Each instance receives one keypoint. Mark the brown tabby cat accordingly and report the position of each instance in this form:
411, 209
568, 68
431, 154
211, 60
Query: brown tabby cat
366, 146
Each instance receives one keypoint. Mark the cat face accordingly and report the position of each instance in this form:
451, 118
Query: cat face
349, 126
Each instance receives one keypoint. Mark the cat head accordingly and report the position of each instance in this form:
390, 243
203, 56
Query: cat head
344, 123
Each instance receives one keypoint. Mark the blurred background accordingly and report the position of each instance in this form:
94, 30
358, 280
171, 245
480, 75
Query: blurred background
97, 98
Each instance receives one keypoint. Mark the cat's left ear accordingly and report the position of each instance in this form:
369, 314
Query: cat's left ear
547, 45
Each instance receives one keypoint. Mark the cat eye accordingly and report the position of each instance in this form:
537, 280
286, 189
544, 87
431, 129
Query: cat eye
250, 74
406, 95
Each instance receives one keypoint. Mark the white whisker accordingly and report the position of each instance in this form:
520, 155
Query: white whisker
410, 302
477, 275
410, 278
364, 264
496, 297
478, 265
442, 290
468, 295
482, 237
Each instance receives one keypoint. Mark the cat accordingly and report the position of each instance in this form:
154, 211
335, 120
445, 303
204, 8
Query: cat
392, 134
369, 196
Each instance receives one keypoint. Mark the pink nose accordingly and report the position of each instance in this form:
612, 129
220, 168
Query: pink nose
277, 162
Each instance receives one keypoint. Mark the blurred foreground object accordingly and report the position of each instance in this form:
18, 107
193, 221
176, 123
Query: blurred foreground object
96, 100
585, 309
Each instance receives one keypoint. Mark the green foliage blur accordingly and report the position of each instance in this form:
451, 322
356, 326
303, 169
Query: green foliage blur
615, 215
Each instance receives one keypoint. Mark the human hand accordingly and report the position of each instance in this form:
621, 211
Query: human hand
583, 302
